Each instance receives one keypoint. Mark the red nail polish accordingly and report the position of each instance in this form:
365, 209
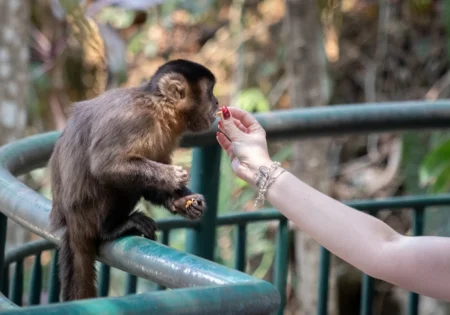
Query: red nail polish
220, 124
225, 112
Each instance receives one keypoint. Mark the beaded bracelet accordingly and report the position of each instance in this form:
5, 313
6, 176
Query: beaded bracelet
264, 179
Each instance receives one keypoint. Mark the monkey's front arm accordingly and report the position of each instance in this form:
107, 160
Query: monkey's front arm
138, 172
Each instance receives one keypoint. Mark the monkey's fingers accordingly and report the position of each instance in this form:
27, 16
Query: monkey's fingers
145, 225
190, 202
190, 207
149, 229
195, 210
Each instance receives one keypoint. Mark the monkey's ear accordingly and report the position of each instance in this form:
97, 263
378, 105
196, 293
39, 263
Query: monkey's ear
173, 86
177, 89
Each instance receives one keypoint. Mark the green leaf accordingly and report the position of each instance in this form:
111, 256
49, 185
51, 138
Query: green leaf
442, 183
435, 163
253, 100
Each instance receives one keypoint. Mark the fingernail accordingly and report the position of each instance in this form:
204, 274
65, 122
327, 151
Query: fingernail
220, 124
225, 112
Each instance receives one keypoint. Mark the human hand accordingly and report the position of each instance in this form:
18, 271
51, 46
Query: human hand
245, 142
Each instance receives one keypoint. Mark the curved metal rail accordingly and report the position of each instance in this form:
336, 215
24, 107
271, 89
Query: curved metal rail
338, 120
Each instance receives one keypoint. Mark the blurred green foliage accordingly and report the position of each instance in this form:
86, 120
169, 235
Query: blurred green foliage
253, 100
434, 172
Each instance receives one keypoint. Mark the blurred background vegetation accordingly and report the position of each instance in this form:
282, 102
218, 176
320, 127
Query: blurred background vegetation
267, 55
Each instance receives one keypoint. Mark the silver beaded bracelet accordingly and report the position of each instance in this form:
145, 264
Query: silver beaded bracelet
264, 179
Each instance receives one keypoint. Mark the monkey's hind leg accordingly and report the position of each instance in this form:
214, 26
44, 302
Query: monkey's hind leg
77, 256
136, 224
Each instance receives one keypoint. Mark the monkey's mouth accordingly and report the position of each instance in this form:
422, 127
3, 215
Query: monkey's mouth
213, 117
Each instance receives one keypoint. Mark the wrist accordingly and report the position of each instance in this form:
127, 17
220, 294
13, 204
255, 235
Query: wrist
256, 164
256, 167
265, 177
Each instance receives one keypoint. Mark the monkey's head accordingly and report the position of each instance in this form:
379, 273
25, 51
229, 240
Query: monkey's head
187, 87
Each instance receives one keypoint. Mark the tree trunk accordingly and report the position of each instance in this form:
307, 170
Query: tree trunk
308, 86
14, 18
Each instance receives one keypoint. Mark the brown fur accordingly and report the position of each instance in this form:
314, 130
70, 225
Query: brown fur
115, 149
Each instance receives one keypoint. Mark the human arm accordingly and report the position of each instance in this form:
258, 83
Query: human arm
418, 264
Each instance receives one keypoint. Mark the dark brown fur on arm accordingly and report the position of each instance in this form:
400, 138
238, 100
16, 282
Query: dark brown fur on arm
115, 149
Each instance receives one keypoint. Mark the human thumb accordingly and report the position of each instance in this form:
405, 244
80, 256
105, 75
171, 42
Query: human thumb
228, 125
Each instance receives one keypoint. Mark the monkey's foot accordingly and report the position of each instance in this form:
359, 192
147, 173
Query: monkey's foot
191, 207
144, 225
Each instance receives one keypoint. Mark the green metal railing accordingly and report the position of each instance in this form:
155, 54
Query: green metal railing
200, 286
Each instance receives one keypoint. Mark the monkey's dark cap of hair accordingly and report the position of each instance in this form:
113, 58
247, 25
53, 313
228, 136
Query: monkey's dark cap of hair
190, 70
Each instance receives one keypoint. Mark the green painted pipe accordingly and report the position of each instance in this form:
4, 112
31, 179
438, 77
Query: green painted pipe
255, 298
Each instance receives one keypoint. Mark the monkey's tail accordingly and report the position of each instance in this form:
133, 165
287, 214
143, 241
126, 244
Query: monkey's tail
77, 267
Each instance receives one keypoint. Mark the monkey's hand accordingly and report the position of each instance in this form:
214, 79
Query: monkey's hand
190, 207
173, 177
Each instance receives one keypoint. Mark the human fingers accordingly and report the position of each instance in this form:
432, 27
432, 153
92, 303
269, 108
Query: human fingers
240, 126
237, 123
223, 141
228, 126
244, 117
225, 144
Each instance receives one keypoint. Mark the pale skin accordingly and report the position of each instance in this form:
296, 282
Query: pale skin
417, 264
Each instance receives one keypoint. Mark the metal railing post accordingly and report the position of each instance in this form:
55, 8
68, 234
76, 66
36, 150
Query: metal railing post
205, 180
418, 227
324, 278
3, 228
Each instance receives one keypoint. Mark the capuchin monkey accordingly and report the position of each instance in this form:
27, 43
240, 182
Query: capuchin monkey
117, 148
